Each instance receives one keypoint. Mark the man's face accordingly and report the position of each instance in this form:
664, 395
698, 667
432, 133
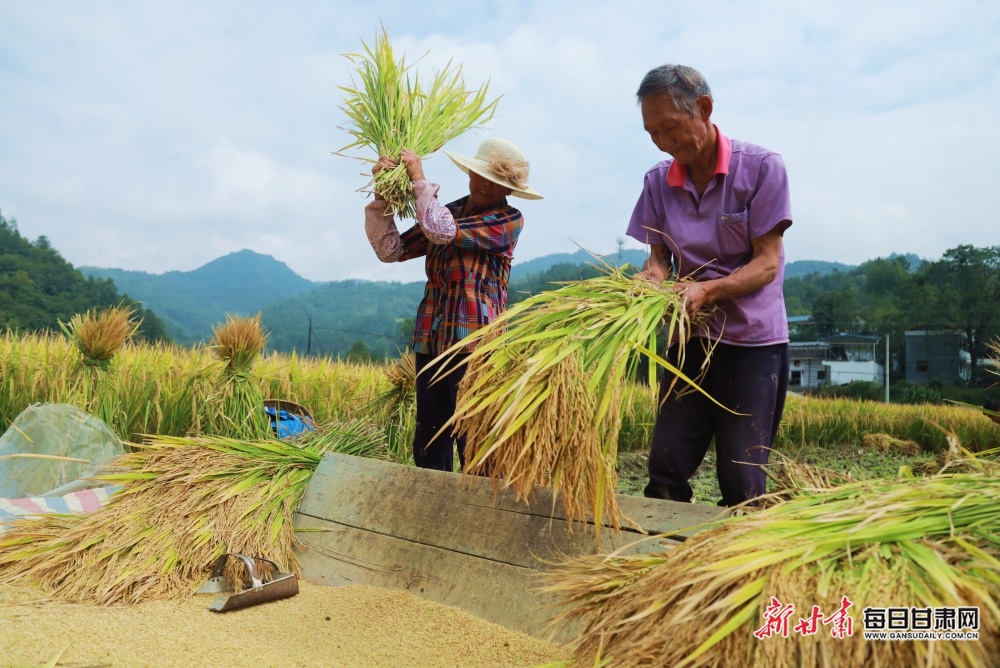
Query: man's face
673, 130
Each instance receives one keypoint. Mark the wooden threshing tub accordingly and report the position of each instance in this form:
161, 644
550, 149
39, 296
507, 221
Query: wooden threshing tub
453, 540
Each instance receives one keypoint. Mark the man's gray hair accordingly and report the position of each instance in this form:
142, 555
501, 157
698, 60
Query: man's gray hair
682, 84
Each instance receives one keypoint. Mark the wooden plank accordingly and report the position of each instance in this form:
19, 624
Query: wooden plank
495, 591
453, 539
352, 488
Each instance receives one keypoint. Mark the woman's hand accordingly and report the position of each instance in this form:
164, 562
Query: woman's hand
383, 163
414, 166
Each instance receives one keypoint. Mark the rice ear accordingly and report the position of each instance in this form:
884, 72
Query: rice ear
182, 503
100, 335
541, 399
924, 543
391, 110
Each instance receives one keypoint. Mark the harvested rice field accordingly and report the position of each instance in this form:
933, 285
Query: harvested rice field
322, 626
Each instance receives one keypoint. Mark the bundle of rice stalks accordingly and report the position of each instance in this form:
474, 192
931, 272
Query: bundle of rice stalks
957, 459
237, 409
885, 443
396, 407
182, 503
100, 335
723, 597
402, 374
540, 400
389, 111
792, 477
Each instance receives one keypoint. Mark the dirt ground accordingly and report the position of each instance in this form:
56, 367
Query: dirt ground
321, 626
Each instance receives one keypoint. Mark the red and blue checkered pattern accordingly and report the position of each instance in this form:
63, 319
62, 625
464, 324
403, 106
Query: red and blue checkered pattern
467, 278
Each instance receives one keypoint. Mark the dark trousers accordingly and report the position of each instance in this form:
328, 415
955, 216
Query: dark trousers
748, 380
435, 406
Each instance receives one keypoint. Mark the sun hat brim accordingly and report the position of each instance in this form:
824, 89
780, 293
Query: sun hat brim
467, 164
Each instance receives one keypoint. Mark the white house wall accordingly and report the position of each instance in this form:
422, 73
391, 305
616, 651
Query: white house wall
842, 373
811, 373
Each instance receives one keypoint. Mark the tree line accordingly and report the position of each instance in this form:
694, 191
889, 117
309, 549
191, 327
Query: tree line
887, 297
38, 288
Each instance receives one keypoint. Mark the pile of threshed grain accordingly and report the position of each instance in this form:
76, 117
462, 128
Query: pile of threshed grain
321, 626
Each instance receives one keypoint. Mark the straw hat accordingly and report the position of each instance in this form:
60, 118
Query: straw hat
501, 162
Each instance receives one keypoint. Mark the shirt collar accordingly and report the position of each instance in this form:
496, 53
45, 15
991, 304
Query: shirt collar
677, 173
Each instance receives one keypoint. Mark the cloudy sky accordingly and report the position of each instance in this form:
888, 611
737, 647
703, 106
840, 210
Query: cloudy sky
160, 135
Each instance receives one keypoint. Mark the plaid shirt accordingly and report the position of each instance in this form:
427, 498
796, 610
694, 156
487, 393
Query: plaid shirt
467, 278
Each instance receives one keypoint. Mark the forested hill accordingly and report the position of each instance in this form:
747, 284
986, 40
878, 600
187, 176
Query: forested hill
374, 318
536, 266
192, 302
38, 288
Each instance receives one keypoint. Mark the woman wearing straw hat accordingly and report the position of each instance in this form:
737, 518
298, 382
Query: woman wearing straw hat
467, 245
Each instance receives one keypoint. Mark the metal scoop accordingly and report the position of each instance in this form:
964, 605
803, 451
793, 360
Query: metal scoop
281, 585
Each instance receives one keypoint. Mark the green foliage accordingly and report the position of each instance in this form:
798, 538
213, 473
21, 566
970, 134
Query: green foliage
965, 289
38, 288
358, 352
343, 312
888, 296
918, 394
858, 389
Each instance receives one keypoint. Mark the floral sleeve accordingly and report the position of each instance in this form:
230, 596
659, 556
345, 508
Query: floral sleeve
382, 232
434, 218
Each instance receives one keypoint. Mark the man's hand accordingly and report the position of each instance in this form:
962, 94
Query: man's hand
695, 294
414, 166
656, 268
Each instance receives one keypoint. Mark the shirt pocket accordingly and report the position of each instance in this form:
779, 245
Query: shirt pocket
734, 233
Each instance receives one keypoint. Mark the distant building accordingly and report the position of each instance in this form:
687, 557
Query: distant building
935, 352
805, 365
852, 357
833, 360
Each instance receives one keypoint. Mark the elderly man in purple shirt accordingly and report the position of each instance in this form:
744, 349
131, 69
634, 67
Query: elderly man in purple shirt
714, 213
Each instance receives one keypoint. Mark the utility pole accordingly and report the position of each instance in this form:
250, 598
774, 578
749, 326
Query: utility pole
886, 368
309, 341
621, 249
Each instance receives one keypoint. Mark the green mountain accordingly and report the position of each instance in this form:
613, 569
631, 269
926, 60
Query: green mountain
192, 302
538, 265
333, 317
38, 288
801, 268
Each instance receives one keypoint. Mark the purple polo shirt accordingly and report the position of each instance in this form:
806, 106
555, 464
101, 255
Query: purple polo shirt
709, 235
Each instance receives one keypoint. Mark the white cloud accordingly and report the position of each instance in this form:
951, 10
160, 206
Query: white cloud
159, 137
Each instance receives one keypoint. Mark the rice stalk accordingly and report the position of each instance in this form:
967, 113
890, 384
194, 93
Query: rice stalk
540, 401
238, 342
792, 477
183, 502
99, 335
389, 110
886, 443
237, 409
925, 543
396, 408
